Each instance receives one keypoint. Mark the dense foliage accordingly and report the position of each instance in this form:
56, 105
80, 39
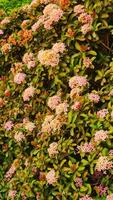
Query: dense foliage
9, 5
56, 101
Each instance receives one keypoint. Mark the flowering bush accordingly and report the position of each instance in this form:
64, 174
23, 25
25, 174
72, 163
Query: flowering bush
56, 101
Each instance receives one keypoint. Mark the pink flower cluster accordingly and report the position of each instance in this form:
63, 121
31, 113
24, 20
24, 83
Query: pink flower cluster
50, 177
77, 81
59, 47
86, 147
10, 172
84, 18
86, 28
28, 125
52, 150
19, 78
1, 32
110, 197
19, 137
46, 126
53, 101
101, 136
87, 62
12, 194
102, 190
52, 13
62, 108
94, 97
102, 113
37, 25
75, 92
56, 124
111, 152
28, 93
5, 21
76, 106
8, 125
79, 9
29, 60
52, 124
48, 57
104, 163
86, 198
78, 182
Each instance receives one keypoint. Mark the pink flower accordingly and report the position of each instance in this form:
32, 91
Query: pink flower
76, 106
78, 9
52, 13
31, 64
87, 62
111, 152
94, 97
77, 81
110, 197
56, 14
59, 47
86, 28
56, 124
29, 92
29, 126
86, 198
50, 177
5, 21
12, 194
1, 32
11, 171
78, 182
46, 127
86, 147
104, 163
8, 125
85, 18
28, 57
75, 92
19, 78
62, 108
37, 25
48, 57
19, 137
101, 136
48, 24
52, 150
101, 190
102, 113
53, 102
